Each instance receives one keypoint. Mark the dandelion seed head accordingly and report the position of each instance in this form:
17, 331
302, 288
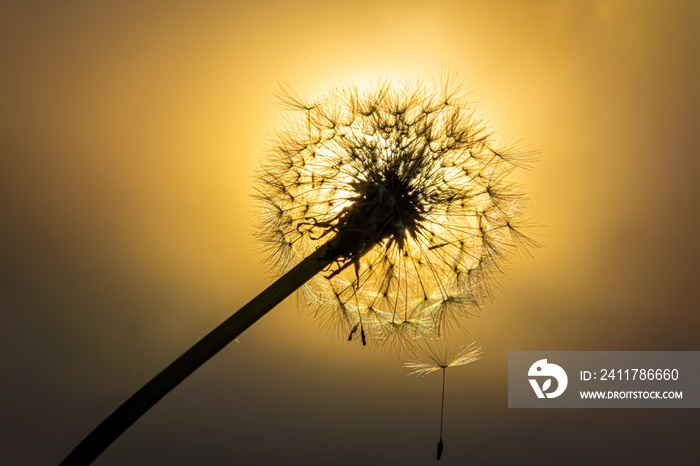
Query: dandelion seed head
414, 193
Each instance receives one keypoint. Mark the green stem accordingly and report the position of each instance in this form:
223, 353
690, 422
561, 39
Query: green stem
141, 401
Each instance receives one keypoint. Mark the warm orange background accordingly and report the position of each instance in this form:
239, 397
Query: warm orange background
129, 135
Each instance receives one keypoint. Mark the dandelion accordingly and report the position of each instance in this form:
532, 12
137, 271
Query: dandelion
392, 207
411, 195
430, 358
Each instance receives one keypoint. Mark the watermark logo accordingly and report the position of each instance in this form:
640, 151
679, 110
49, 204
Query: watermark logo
542, 369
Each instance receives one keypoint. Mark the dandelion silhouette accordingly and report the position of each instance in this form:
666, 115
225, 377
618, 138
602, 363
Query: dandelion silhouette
430, 358
391, 207
414, 194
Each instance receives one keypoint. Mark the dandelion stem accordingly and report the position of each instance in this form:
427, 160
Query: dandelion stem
442, 412
141, 401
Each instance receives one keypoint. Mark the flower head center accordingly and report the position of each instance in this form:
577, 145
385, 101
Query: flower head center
385, 206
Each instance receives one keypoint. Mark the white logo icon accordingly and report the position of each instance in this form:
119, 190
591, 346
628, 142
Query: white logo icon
543, 369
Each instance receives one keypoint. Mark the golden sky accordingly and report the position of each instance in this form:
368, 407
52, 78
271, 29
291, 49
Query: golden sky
129, 137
